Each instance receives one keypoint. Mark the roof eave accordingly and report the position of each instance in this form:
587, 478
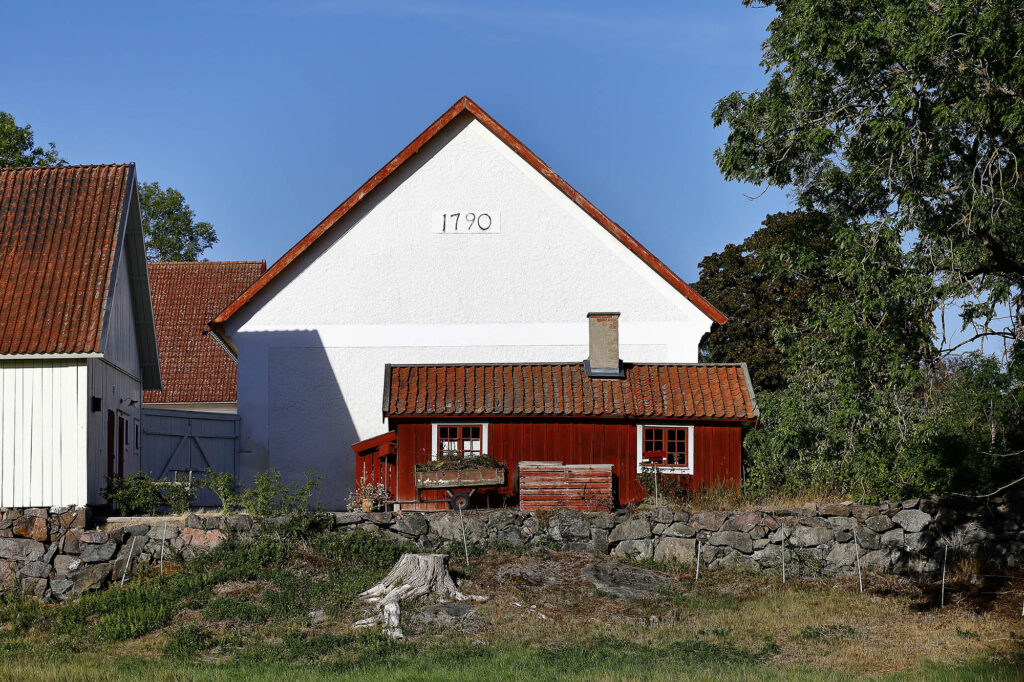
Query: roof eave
750, 392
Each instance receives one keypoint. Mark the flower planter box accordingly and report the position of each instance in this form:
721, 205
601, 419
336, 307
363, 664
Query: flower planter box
461, 478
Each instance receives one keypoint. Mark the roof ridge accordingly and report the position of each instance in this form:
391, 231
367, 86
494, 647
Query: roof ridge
61, 166
208, 262
560, 364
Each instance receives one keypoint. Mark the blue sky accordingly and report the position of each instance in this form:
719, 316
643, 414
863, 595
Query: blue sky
267, 114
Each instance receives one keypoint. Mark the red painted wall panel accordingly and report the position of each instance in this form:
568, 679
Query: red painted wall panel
716, 453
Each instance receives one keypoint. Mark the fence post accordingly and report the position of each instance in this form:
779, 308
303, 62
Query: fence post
129, 562
783, 553
856, 544
465, 547
945, 554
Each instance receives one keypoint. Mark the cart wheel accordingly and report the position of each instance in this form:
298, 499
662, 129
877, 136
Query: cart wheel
459, 501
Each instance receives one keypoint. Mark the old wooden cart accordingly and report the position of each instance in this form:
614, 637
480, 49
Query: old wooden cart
459, 483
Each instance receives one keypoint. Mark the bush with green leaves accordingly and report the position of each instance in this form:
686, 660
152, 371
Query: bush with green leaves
223, 484
134, 495
270, 496
179, 496
140, 494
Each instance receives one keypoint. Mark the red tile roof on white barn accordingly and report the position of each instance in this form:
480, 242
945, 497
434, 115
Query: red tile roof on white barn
58, 237
61, 231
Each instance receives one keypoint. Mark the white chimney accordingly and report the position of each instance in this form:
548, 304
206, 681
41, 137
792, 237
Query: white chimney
604, 360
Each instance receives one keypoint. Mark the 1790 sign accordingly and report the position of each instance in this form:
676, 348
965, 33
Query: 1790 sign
465, 222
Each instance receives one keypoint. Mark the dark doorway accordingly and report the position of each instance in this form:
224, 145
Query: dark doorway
111, 442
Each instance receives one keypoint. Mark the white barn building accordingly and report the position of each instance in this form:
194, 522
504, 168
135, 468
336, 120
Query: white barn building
465, 248
77, 343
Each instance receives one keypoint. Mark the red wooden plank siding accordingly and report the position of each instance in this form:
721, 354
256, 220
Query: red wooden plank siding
716, 453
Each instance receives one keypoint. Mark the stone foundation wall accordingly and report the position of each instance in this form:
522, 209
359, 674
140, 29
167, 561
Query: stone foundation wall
59, 553
904, 538
56, 554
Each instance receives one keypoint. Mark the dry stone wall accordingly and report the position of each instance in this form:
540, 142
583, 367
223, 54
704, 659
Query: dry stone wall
906, 538
57, 554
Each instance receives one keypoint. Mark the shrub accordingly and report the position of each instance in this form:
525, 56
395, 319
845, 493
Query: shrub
134, 495
270, 496
139, 494
179, 495
224, 486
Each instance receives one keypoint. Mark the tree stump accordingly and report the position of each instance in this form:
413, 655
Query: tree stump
415, 575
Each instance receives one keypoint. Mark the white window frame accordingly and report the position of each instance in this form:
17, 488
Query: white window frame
647, 468
433, 436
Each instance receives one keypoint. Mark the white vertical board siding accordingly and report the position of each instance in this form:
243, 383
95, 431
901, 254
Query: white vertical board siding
42, 432
120, 344
122, 393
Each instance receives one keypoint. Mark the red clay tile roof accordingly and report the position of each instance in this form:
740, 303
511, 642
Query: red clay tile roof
195, 368
468, 106
59, 229
565, 390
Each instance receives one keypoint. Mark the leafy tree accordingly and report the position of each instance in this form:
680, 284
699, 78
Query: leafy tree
18, 147
172, 233
848, 419
757, 298
975, 422
899, 115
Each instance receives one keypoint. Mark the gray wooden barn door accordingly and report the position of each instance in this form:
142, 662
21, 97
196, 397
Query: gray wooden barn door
176, 442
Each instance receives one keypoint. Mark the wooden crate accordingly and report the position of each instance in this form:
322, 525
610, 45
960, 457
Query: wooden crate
553, 485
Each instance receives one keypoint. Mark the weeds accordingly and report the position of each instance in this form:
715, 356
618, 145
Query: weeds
229, 608
817, 633
19, 610
698, 600
188, 641
609, 653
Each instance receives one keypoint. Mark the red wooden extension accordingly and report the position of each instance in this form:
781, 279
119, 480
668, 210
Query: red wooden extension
549, 485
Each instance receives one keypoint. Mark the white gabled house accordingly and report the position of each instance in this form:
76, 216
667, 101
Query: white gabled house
77, 343
465, 248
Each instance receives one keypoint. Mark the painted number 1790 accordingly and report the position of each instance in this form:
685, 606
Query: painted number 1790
465, 222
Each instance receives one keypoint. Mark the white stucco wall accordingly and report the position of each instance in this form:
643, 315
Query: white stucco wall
383, 288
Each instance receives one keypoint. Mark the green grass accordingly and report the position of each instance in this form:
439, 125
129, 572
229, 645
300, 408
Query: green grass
597, 660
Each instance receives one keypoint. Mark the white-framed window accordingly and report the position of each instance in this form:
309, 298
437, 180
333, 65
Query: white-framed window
467, 439
667, 447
